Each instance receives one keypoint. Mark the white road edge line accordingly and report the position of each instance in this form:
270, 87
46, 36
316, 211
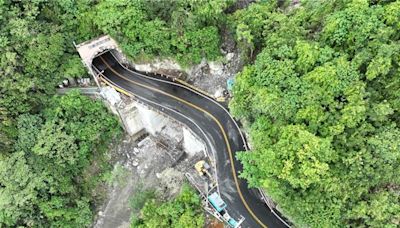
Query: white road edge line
180, 114
210, 99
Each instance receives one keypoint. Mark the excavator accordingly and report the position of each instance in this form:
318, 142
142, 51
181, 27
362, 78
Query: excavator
202, 167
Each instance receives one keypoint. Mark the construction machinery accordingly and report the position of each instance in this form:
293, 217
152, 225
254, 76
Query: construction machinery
202, 168
219, 205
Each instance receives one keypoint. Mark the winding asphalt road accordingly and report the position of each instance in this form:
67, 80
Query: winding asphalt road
209, 120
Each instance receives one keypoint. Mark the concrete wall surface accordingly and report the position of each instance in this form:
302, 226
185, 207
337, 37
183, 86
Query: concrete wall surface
153, 122
191, 144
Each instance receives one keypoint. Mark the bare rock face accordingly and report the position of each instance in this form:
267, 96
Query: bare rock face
198, 72
212, 76
164, 66
209, 76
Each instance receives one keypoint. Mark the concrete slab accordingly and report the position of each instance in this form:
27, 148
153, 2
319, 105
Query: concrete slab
152, 121
191, 144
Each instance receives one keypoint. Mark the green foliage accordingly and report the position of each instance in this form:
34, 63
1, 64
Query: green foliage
18, 190
202, 42
249, 26
184, 30
184, 211
323, 105
47, 142
36, 42
40, 181
380, 208
321, 98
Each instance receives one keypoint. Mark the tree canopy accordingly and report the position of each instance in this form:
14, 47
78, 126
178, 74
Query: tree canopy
319, 97
322, 105
41, 181
183, 211
184, 30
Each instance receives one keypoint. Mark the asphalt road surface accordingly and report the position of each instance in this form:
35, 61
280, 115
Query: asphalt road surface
210, 121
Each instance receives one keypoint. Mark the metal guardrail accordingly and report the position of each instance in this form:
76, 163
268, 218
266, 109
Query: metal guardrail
210, 97
271, 206
210, 155
193, 87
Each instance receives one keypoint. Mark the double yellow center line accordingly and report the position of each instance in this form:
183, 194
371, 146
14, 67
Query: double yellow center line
212, 117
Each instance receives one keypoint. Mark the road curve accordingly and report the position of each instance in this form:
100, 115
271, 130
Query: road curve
210, 121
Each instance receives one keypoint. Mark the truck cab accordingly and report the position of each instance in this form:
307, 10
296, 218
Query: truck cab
219, 205
217, 202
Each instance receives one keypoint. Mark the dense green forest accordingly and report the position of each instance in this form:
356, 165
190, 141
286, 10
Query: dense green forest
50, 146
186, 30
48, 177
322, 104
319, 97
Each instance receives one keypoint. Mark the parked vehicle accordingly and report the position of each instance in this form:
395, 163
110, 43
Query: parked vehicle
217, 202
219, 205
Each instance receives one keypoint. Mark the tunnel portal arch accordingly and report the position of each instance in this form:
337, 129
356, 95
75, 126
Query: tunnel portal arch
88, 50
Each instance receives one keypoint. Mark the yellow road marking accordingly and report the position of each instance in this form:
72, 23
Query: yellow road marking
116, 88
193, 87
212, 117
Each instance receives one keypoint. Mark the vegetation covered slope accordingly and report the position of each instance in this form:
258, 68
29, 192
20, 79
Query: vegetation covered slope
47, 143
43, 180
186, 30
322, 102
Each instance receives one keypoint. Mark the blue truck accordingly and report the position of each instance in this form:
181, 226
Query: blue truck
219, 205
217, 202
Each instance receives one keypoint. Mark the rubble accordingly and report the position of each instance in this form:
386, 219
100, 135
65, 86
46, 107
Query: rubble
156, 161
212, 76
111, 95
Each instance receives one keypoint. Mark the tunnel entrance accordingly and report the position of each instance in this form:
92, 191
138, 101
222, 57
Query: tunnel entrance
90, 49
